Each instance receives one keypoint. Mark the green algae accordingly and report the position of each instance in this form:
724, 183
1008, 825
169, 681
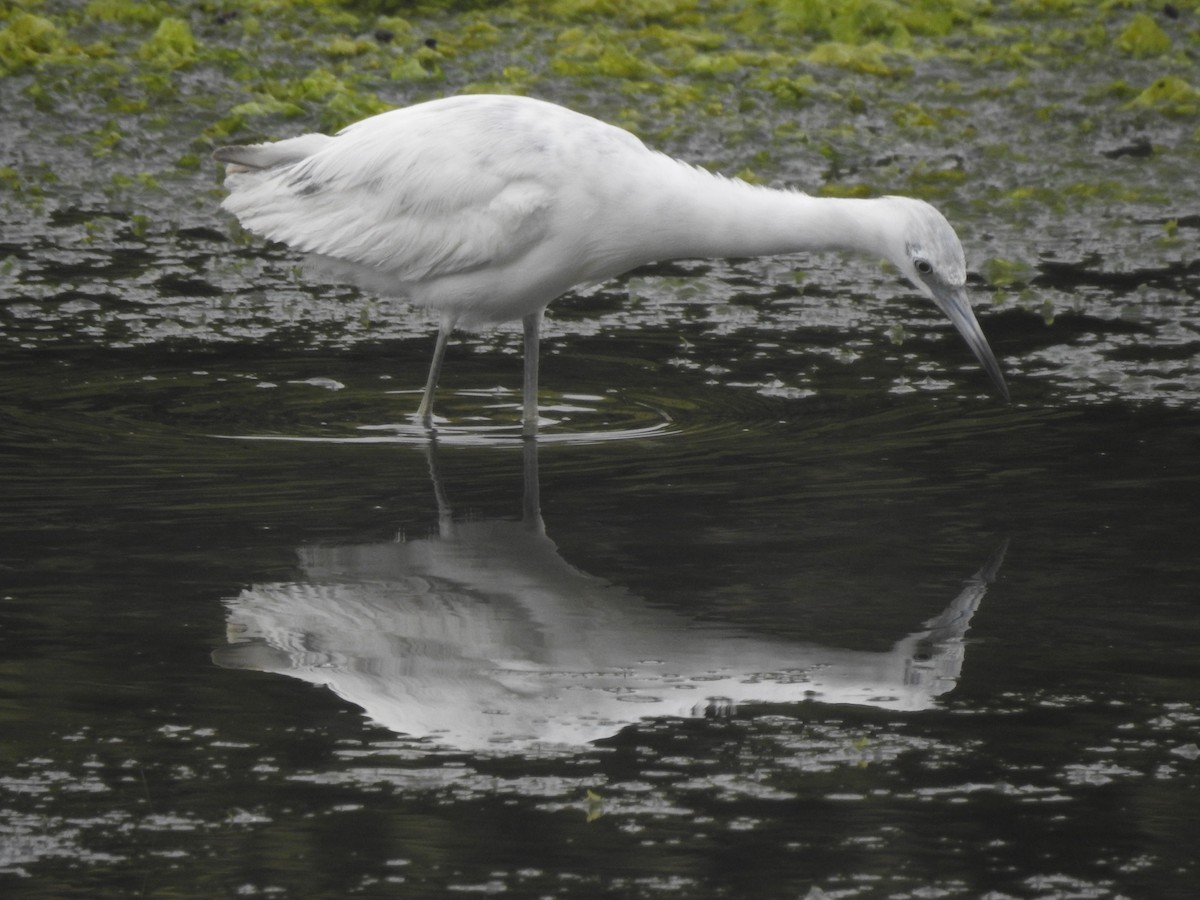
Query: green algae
770, 47
10, 178
870, 58
849, 98
125, 12
858, 22
628, 11
1143, 37
28, 39
1169, 95
1005, 273
171, 45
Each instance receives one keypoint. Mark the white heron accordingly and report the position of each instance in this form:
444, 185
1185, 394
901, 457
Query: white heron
486, 208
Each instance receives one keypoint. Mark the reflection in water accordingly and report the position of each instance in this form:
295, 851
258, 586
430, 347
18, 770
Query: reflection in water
484, 637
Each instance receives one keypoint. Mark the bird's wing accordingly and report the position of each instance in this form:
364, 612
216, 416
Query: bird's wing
406, 197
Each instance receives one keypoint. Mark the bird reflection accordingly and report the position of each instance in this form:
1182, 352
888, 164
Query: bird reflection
482, 637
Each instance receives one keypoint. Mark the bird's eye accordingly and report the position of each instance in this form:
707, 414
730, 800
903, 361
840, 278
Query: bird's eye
923, 266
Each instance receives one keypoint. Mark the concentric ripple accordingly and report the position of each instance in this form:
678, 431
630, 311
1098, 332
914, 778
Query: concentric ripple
493, 417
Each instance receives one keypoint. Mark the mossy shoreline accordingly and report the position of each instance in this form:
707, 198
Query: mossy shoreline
1020, 119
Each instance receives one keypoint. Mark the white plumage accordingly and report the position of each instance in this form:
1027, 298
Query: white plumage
487, 208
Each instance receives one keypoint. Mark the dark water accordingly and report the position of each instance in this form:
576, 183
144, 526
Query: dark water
859, 644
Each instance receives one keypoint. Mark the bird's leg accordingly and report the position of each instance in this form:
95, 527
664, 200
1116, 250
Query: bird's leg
531, 497
425, 410
445, 511
529, 392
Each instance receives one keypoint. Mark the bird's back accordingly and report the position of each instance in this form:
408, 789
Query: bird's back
415, 201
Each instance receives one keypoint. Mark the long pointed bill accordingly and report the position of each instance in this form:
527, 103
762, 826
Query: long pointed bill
953, 302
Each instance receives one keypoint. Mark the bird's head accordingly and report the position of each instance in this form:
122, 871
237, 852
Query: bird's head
924, 247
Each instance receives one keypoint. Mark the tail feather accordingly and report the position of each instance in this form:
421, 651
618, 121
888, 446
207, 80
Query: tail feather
259, 157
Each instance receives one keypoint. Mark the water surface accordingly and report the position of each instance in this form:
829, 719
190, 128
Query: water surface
173, 596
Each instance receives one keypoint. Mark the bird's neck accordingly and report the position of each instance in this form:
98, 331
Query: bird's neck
689, 212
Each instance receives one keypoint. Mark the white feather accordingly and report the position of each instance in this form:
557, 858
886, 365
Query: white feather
486, 208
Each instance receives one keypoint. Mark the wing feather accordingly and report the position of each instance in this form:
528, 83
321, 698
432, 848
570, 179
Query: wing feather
407, 196
269, 155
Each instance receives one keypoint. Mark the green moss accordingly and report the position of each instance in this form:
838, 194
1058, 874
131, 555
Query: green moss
497, 86
912, 115
1113, 90
940, 18
124, 11
344, 46
1051, 8
930, 182
1027, 193
473, 37
28, 39
517, 77
867, 58
836, 189
319, 84
788, 91
692, 40
710, 64
810, 17
1170, 95
1000, 272
171, 46
401, 30
593, 58
349, 106
118, 183
10, 178
423, 65
1143, 37
859, 22
105, 140
630, 11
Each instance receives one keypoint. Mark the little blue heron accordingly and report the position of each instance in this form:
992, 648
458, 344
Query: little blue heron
486, 208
